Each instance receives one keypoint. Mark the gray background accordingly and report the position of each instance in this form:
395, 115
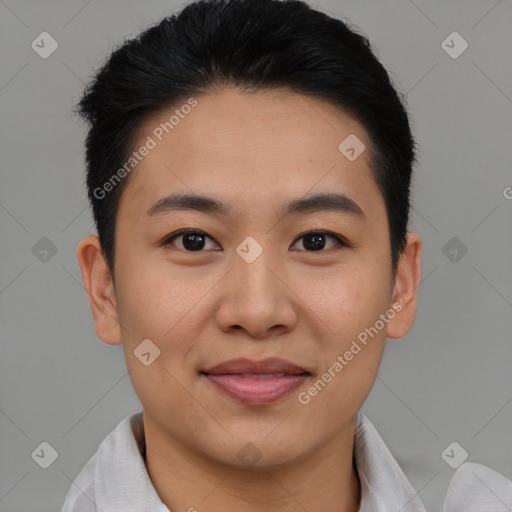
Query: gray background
448, 380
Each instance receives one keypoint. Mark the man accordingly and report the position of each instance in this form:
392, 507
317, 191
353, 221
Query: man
249, 167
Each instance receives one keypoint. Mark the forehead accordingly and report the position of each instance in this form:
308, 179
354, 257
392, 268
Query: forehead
249, 150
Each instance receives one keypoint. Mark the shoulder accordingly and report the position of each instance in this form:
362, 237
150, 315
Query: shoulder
81, 495
478, 488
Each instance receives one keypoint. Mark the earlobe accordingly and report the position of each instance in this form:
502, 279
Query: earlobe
100, 289
406, 288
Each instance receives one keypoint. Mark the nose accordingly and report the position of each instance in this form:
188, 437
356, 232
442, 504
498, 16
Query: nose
256, 298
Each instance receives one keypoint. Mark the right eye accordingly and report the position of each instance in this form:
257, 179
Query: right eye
192, 240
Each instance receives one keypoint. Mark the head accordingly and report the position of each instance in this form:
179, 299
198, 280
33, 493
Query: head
259, 106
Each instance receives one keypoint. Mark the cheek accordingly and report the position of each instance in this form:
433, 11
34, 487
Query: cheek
153, 299
349, 304
166, 306
157, 307
347, 300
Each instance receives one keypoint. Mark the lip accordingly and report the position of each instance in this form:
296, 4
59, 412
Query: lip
248, 366
256, 382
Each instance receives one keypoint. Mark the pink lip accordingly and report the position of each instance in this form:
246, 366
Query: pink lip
256, 391
245, 381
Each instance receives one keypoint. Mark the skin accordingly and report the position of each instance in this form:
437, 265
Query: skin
253, 152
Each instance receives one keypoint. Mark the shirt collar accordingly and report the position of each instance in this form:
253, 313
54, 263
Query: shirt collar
384, 486
121, 479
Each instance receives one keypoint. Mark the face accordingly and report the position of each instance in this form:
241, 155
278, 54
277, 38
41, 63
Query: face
254, 279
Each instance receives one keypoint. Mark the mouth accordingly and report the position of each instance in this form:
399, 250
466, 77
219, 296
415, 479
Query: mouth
256, 382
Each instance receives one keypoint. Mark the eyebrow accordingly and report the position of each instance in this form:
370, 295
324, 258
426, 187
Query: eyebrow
319, 202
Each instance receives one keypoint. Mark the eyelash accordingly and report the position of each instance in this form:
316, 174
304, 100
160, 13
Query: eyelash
341, 242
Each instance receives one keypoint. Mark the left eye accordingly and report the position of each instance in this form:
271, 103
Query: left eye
315, 240
194, 240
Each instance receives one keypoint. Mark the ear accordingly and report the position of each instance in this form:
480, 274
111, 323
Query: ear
406, 287
100, 289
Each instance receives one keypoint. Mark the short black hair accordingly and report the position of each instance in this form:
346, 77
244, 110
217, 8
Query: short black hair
252, 46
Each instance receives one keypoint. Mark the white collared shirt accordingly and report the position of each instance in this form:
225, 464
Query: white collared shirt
115, 479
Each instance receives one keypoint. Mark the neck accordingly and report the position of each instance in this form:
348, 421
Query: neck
326, 481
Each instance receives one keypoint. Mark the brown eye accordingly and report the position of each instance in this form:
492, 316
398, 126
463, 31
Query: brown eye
315, 241
191, 240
